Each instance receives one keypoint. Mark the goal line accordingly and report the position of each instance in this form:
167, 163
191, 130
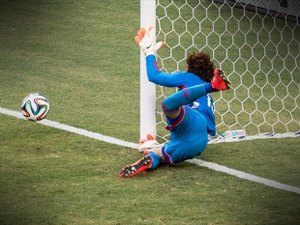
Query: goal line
202, 163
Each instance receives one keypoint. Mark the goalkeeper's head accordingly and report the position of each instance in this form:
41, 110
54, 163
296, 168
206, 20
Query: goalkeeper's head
199, 63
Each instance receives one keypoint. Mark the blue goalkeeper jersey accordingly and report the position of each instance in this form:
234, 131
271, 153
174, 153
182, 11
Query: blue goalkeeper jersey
182, 80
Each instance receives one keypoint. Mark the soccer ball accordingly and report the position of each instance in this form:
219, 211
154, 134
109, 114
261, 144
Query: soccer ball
35, 107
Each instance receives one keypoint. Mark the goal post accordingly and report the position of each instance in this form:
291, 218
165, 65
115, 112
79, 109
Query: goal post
258, 49
147, 89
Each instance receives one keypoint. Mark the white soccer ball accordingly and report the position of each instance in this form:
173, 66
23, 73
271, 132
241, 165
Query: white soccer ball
35, 107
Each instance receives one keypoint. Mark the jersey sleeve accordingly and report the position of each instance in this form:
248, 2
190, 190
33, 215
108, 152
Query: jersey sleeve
176, 79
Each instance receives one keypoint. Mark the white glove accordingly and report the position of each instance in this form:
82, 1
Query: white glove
148, 144
145, 39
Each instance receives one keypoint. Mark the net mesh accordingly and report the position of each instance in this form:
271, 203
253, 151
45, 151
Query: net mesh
259, 53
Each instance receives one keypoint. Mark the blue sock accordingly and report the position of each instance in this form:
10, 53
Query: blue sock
155, 160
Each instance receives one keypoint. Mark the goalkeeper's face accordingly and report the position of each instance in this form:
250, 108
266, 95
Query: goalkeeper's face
200, 64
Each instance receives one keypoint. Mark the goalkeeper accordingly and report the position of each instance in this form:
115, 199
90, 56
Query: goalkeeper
189, 112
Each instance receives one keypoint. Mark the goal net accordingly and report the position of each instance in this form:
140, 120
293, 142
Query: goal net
256, 44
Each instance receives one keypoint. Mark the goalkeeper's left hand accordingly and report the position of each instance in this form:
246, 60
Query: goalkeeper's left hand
146, 40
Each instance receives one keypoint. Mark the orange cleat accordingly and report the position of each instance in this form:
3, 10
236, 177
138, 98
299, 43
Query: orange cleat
139, 166
220, 81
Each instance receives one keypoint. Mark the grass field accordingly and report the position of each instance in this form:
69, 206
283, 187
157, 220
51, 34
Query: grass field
81, 55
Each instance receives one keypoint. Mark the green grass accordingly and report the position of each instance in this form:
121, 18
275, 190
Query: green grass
82, 56
66, 56
54, 177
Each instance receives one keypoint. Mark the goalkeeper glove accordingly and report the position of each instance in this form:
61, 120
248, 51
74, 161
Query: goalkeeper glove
148, 144
145, 39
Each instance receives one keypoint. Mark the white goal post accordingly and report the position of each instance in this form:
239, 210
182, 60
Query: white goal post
147, 89
256, 43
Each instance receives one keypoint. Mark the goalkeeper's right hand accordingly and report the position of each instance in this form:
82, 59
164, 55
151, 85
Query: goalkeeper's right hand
148, 144
146, 40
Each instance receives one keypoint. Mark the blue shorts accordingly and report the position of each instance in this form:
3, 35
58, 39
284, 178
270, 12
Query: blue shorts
188, 136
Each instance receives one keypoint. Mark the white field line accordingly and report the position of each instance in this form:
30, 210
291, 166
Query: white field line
71, 129
246, 176
210, 165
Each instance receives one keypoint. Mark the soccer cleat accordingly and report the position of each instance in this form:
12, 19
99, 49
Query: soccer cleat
139, 166
220, 81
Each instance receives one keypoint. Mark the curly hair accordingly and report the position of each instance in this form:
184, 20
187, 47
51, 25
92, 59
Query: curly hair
199, 63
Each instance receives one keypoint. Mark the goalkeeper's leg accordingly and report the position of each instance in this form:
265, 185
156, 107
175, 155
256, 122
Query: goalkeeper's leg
171, 107
151, 160
171, 104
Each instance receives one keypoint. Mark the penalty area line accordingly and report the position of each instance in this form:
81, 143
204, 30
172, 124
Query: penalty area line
202, 163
